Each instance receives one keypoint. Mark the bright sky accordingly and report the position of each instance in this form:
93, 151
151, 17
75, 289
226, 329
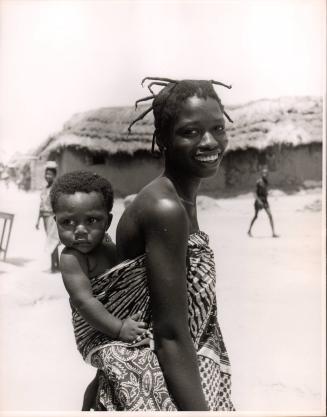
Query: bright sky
61, 57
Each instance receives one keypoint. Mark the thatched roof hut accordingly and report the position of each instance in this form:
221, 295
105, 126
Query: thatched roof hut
284, 133
259, 125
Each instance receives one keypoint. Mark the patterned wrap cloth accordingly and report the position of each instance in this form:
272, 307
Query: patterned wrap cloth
50, 225
131, 377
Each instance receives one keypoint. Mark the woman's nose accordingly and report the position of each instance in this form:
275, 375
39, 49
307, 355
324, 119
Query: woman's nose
208, 141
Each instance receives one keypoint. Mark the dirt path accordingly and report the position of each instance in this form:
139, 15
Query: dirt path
270, 300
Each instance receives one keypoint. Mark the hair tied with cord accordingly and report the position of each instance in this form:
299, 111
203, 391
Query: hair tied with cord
169, 87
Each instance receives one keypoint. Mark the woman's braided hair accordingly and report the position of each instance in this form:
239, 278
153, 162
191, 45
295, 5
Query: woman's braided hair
167, 103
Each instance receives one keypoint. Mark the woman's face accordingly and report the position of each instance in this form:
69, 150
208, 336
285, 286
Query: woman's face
198, 139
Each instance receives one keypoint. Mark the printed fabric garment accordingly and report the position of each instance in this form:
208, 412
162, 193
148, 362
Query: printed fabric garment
51, 230
50, 225
131, 377
45, 202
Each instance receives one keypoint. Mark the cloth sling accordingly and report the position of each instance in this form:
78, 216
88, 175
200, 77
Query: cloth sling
131, 377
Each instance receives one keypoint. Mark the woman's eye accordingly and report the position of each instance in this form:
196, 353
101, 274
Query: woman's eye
219, 128
190, 132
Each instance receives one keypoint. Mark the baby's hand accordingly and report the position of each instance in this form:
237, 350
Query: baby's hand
132, 328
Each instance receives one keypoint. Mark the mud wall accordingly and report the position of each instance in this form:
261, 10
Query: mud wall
127, 174
290, 168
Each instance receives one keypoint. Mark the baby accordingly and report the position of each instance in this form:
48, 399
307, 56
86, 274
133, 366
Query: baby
82, 202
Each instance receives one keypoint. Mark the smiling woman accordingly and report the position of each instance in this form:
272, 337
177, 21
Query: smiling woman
167, 268
198, 139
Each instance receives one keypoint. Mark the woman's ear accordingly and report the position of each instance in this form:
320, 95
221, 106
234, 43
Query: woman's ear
161, 143
109, 221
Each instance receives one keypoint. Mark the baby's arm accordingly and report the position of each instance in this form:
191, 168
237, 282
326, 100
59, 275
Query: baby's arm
74, 272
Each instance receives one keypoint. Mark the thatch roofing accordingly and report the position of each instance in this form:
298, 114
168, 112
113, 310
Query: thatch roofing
258, 124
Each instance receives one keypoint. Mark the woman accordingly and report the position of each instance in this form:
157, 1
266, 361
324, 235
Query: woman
167, 269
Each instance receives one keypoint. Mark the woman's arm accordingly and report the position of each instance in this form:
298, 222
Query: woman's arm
166, 233
74, 273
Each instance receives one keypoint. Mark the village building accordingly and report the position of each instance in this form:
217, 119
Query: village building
285, 134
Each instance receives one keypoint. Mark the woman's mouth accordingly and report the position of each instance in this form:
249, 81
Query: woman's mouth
207, 158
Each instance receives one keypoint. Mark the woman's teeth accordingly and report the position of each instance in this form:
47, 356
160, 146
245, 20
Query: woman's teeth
207, 158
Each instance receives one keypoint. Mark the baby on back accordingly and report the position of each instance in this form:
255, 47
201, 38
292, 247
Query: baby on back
82, 202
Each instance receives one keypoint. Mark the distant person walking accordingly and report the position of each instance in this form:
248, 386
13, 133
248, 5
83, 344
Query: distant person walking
261, 201
46, 213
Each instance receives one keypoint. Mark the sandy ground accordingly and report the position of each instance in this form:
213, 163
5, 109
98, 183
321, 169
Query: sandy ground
270, 297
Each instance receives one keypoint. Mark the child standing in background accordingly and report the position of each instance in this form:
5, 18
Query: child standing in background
46, 214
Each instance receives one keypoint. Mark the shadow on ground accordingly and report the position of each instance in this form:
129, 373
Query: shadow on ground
18, 261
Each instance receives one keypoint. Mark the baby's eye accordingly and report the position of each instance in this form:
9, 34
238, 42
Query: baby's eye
92, 220
67, 222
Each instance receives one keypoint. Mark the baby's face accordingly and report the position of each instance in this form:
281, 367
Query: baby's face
82, 220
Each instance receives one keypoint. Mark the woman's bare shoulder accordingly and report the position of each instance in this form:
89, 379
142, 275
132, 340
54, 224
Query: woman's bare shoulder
158, 204
155, 207
157, 197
